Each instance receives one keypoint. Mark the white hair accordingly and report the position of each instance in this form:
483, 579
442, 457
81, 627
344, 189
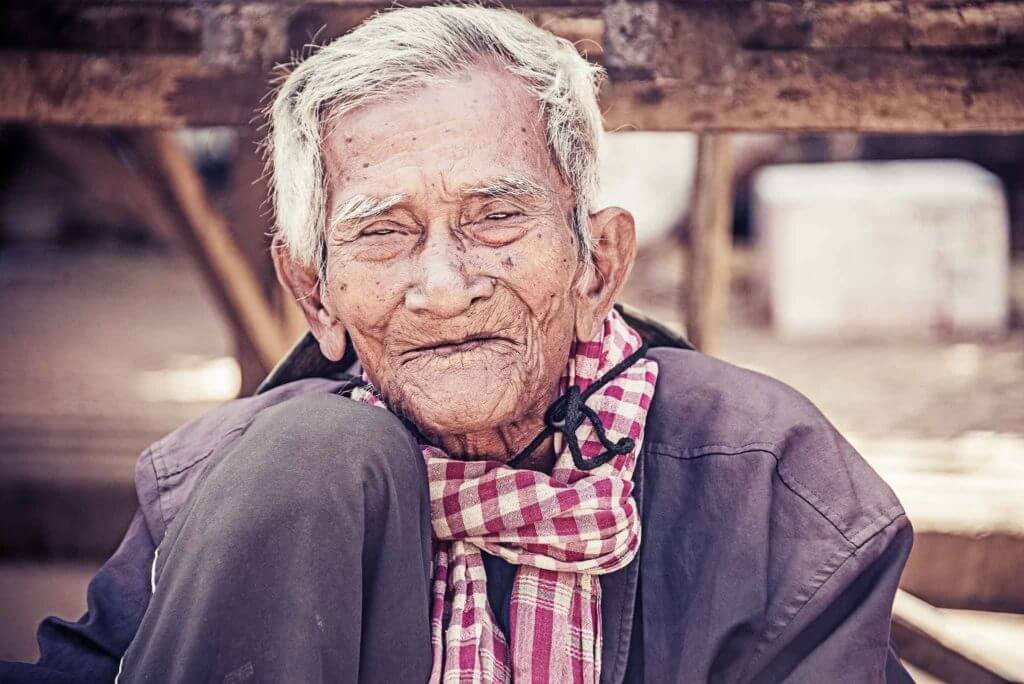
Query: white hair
399, 50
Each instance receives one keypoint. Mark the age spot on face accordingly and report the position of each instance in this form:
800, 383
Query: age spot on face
507, 261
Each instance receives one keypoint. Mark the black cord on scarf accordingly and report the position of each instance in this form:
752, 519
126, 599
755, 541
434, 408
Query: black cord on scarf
569, 411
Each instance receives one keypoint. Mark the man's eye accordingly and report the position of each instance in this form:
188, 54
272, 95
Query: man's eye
501, 215
499, 228
377, 231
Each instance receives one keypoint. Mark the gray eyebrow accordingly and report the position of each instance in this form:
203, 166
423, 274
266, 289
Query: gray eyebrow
363, 207
506, 186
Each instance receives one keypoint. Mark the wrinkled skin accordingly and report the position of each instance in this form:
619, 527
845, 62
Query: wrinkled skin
462, 307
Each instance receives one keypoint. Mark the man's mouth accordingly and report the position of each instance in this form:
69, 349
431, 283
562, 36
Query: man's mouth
446, 348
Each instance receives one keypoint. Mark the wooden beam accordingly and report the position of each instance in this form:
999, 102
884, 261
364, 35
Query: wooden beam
867, 65
963, 495
230, 276
805, 93
244, 202
787, 65
927, 638
707, 272
960, 569
165, 91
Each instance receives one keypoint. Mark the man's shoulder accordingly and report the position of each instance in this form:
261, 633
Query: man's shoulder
770, 440
701, 401
166, 471
762, 526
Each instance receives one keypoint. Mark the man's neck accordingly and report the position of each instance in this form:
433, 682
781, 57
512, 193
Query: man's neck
502, 444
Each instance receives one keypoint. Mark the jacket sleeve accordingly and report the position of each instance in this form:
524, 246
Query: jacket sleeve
90, 649
840, 625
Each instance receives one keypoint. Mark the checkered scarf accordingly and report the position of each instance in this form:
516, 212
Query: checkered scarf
562, 530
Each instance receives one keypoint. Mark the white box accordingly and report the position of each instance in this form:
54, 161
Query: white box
880, 248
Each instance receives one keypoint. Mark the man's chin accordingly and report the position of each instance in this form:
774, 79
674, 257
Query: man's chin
461, 402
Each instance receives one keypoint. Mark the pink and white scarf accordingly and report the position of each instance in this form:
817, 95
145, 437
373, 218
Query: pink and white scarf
562, 530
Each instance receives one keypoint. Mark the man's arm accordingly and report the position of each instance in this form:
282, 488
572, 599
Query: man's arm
839, 629
90, 650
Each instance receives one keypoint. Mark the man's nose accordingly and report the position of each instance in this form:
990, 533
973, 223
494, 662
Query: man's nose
445, 287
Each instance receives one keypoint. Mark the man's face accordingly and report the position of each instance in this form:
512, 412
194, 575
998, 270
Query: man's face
450, 258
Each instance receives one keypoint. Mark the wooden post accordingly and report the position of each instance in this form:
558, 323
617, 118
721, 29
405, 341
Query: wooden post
206, 232
707, 275
244, 202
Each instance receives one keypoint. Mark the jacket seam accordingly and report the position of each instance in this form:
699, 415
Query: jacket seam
694, 453
791, 482
187, 466
813, 586
195, 461
149, 456
883, 521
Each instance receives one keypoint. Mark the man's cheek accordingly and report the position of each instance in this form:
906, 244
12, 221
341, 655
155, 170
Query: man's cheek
362, 299
546, 291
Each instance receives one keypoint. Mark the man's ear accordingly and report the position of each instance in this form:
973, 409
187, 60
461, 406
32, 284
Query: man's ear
613, 234
303, 283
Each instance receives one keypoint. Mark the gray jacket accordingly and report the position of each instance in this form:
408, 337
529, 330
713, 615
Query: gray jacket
770, 549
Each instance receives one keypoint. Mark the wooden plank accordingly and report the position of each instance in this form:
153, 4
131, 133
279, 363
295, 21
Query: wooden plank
927, 638
957, 569
802, 92
867, 65
112, 28
707, 273
163, 91
891, 25
205, 231
788, 65
964, 497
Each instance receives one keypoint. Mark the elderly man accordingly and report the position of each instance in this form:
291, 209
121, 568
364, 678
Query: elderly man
518, 481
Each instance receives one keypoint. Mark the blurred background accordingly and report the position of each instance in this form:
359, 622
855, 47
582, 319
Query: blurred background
831, 193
